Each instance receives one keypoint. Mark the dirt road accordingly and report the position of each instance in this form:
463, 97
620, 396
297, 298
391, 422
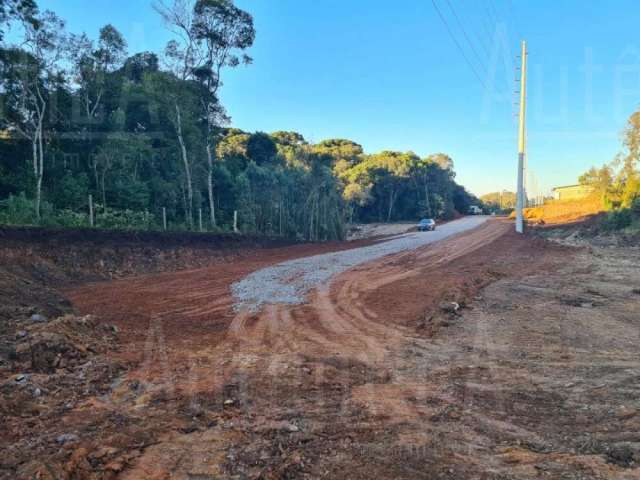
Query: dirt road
536, 376
289, 282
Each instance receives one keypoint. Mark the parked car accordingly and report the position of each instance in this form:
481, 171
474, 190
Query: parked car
426, 224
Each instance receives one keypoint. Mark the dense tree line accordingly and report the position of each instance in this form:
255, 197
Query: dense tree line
503, 201
145, 132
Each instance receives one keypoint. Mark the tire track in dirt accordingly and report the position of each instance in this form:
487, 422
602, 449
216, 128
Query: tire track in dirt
342, 322
369, 379
194, 309
208, 347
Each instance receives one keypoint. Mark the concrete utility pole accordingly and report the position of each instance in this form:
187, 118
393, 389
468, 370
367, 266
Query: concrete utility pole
520, 197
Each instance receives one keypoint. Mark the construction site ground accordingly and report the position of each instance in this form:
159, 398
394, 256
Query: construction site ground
487, 355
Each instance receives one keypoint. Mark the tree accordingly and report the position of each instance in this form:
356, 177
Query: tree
443, 160
392, 172
120, 153
356, 195
29, 74
210, 36
137, 65
163, 142
601, 180
619, 181
293, 139
261, 149
341, 150
503, 200
631, 191
92, 65
629, 176
17, 10
178, 102
420, 173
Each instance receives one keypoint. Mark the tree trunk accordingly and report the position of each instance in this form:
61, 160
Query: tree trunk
426, 198
40, 171
38, 195
212, 211
184, 198
38, 151
34, 145
94, 165
311, 214
391, 202
103, 190
38, 162
187, 167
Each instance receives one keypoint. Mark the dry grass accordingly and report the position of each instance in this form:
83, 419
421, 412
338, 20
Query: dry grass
565, 211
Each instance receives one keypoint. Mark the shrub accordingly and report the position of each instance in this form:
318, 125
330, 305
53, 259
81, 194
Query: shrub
69, 218
72, 191
124, 219
635, 207
20, 210
618, 219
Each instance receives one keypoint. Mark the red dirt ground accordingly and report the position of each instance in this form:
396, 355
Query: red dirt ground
369, 379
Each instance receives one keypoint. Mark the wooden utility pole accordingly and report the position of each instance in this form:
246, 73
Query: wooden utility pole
520, 196
91, 222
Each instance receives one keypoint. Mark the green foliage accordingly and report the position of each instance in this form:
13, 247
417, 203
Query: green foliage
619, 182
73, 191
17, 10
618, 219
391, 186
501, 202
631, 190
66, 218
125, 219
141, 134
20, 210
625, 218
261, 148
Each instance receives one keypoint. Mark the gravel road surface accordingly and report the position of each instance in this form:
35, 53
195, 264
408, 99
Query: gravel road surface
289, 282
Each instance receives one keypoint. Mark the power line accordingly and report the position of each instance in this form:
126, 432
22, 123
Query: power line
486, 27
486, 31
492, 18
464, 31
455, 40
503, 14
482, 35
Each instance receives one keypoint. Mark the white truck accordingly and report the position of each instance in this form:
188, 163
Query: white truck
475, 210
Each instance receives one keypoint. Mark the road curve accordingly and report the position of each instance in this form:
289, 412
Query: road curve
289, 282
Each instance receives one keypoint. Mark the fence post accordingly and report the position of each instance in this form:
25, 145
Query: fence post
235, 221
200, 219
91, 222
164, 219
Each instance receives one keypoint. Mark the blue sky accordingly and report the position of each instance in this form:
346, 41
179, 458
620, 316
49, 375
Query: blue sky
388, 76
